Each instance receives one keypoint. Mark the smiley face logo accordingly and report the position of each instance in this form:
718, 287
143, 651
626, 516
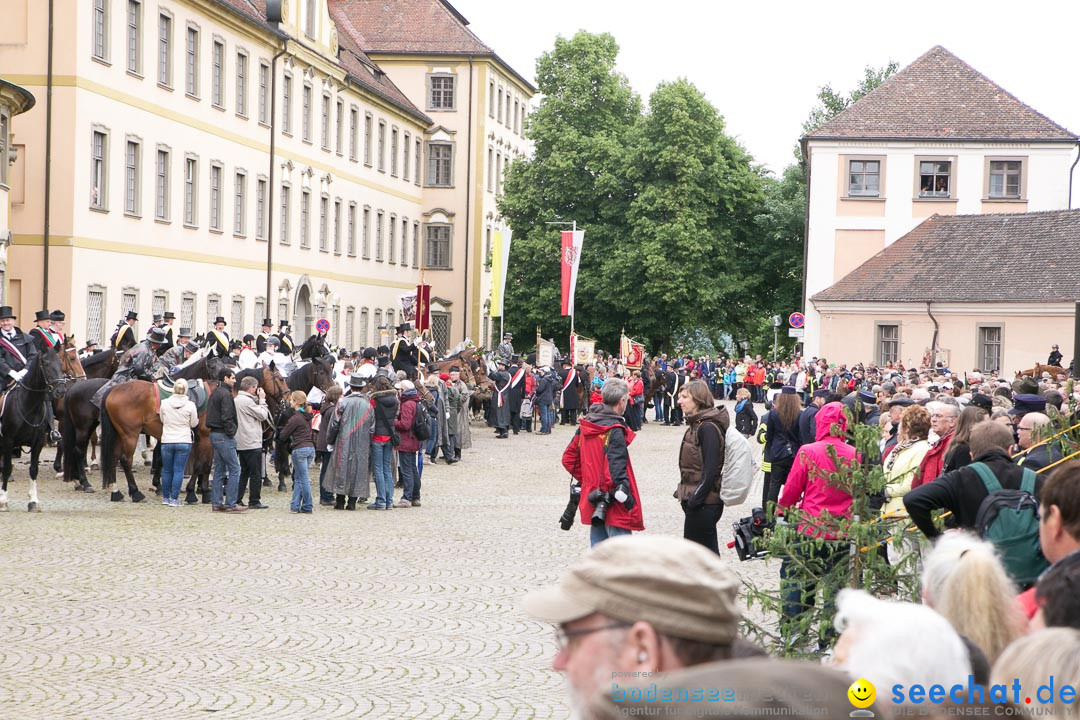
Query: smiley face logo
862, 693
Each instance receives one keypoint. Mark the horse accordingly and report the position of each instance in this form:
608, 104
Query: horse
1039, 369
23, 419
102, 364
72, 370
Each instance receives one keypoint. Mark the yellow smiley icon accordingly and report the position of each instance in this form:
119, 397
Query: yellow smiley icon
862, 693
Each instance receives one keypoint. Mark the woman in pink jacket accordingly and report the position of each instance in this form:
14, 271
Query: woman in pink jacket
809, 489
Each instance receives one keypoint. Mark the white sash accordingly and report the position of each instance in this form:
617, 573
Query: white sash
10, 347
569, 379
517, 377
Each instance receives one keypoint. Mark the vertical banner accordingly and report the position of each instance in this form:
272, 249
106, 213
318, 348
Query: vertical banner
624, 348
635, 357
408, 304
500, 260
571, 255
573, 346
423, 308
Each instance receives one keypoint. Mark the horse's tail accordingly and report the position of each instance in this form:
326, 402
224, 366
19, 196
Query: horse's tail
108, 447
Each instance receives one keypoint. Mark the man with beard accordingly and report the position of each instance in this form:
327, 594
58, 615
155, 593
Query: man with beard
639, 605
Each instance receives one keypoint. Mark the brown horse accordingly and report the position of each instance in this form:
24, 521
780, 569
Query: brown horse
1039, 369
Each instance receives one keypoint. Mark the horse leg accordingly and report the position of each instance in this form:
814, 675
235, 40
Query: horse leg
35, 453
127, 451
5, 471
58, 461
93, 450
155, 469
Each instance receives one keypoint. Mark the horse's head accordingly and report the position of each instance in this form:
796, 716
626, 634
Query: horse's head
45, 373
274, 385
70, 363
323, 372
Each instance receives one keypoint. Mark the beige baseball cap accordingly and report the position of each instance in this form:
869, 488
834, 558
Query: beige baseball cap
675, 585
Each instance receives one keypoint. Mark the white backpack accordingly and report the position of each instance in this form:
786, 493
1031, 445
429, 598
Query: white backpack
738, 471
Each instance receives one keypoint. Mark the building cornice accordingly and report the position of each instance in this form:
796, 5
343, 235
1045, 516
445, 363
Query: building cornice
1017, 309
19, 99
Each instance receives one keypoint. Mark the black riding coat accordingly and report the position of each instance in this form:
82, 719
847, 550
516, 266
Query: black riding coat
24, 344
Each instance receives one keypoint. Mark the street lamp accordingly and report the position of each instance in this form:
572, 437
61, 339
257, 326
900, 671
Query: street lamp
776, 320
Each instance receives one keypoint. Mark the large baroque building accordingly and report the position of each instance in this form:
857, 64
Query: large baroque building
207, 151
936, 139
14, 100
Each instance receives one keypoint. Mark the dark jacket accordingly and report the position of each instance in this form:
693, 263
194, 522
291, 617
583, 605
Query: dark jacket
701, 458
406, 414
1042, 456
962, 491
569, 398
746, 420
221, 412
545, 390
386, 409
23, 344
776, 435
322, 438
957, 456
297, 432
808, 425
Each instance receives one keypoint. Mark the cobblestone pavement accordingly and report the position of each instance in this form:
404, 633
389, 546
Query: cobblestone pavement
116, 610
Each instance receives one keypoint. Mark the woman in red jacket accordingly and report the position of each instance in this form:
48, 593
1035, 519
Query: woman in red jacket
409, 445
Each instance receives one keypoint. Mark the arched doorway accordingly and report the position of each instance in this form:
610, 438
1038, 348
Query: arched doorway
303, 319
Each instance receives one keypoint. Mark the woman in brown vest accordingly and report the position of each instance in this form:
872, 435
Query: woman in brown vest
701, 460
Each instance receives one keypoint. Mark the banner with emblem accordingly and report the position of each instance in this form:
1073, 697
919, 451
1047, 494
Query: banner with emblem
545, 353
583, 350
572, 241
631, 353
407, 304
500, 259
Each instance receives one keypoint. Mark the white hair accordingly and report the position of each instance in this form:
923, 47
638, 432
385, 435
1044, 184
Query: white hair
920, 394
896, 643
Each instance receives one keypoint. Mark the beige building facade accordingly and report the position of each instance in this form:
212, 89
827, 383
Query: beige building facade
165, 194
937, 139
14, 100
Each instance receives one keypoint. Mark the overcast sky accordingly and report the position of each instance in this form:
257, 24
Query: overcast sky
761, 63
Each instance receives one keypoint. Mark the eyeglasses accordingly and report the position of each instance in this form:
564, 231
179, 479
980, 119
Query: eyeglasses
1024, 429
563, 637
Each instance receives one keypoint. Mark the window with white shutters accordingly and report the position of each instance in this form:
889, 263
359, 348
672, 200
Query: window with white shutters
213, 309
237, 319
187, 311
364, 326
440, 330
157, 305
378, 326
95, 314
350, 318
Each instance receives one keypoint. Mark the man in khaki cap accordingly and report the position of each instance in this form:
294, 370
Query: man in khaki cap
636, 607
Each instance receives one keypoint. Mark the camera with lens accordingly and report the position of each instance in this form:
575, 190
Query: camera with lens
601, 501
567, 520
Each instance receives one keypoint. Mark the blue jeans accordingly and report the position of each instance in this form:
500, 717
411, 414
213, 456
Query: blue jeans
324, 494
545, 419
301, 492
432, 446
600, 533
225, 461
410, 478
384, 474
173, 459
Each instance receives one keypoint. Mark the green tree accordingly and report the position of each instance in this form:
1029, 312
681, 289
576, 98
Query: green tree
576, 173
695, 196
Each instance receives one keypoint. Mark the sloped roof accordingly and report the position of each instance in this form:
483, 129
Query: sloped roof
412, 27
939, 96
1021, 257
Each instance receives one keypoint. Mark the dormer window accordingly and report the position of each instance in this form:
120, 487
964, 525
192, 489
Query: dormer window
309, 18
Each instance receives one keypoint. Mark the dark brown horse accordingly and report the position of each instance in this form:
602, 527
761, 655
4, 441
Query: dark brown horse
102, 364
72, 370
23, 422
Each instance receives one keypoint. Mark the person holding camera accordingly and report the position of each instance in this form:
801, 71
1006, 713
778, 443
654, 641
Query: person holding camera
701, 461
598, 458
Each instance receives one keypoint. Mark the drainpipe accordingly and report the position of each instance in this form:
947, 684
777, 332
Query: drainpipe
1077, 160
271, 205
933, 342
468, 205
806, 220
48, 169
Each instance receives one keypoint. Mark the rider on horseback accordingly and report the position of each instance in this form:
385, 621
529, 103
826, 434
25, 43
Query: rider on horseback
139, 363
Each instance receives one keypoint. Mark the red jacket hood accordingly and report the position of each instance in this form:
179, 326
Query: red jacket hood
599, 422
828, 414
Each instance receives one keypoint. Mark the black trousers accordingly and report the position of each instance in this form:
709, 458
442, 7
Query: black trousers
770, 492
515, 421
251, 472
568, 417
699, 525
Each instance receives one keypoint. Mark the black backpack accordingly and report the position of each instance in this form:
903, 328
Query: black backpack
1009, 519
421, 424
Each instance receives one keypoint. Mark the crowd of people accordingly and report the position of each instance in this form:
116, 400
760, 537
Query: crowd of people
979, 480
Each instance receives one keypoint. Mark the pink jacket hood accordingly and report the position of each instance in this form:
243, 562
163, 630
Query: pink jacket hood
828, 414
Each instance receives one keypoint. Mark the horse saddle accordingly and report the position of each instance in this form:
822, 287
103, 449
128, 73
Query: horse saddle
197, 392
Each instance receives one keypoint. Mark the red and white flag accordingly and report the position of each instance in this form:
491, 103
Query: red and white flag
571, 255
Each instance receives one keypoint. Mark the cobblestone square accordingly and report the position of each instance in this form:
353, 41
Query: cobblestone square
115, 610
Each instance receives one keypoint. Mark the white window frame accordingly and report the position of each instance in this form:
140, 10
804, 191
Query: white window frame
365, 230
242, 62
264, 93
432, 169
217, 73
351, 236
380, 221
99, 168
217, 177
437, 97
406, 147
337, 226
380, 145
133, 33
324, 222
162, 184
192, 39
448, 240
369, 127
132, 176
164, 46
286, 104
305, 218
191, 190
339, 127
881, 355
99, 26
240, 203
260, 207
325, 121
391, 247
354, 129
305, 111
284, 208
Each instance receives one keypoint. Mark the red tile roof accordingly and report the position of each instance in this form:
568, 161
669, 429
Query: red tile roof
412, 27
939, 96
1020, 257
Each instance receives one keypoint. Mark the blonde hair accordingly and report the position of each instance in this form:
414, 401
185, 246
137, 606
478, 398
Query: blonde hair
179, 387
298, 398
965, 581
742, 394
1034, 658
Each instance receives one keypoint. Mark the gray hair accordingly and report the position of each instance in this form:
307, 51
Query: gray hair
248, 383
615, 390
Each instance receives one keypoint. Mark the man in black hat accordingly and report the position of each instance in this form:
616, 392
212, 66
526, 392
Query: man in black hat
141, 363
217, 340
167, 320
265, 332
516, 392
569, 382
506, 347
807, 418
124, 337
57, 317
179, 353
1055, 356
42, 332
285, 341
402, 355
500, 401
16, 347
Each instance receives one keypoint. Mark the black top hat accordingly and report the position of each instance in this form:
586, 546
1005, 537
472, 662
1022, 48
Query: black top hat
41, 315
455, 368
515, 359
169, 315
383, 350
57, 316
267, 321
357, 381
158, 317
6, 312
432, 368
404, 328
220, 319
131, 315
156, 335
283, 324
184, 333
508, 335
